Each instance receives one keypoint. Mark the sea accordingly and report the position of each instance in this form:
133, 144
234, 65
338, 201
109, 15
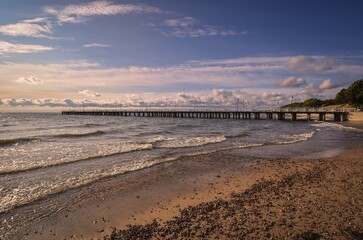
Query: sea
42, 154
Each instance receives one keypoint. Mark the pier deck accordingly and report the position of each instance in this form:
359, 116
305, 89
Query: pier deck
256, 115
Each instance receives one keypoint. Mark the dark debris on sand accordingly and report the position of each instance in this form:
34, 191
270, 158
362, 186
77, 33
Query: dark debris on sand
280, 209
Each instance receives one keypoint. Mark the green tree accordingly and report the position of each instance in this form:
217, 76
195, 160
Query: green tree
313, 102
341, 97
355, 93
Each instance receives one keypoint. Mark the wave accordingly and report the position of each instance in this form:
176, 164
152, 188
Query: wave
16, 141
288, 139
337, 126
153, 140
185, 142
7, 125
237, 135
14, 198
92, 125
119, 149
76, 135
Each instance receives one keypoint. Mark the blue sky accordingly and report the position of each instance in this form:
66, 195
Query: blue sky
69, 53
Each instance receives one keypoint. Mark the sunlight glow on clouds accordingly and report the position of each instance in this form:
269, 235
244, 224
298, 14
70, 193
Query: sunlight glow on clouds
90, 93
29, 80
162, 54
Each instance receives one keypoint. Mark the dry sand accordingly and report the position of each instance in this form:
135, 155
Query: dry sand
356, 116
274, 199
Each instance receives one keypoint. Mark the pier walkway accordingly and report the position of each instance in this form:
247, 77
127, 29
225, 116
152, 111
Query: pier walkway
328, 115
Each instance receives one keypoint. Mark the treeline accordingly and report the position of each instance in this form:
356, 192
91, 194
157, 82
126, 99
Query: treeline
353, 95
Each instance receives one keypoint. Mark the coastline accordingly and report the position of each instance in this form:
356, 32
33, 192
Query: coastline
315, 199
320, 188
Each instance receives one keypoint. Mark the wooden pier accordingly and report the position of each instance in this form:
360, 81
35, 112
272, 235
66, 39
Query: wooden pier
336, 116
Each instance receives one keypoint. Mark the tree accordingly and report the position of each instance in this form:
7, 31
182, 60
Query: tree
313, 102
341, 97
355, 93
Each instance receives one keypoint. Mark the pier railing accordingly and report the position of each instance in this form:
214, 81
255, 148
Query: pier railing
278, 114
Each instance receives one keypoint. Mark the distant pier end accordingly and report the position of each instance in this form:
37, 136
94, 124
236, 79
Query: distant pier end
329, 115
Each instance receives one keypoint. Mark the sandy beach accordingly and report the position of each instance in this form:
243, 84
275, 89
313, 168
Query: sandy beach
356, 116
200, 198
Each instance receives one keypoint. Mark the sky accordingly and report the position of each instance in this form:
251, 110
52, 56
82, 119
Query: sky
56, 54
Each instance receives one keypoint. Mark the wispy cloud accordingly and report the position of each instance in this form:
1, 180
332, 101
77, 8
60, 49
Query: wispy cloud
29, 80
79, 13
180, 22
92, 45
37, 27
191, 27
6, 47
90, 93
291, 82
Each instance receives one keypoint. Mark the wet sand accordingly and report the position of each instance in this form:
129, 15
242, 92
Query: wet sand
204, 198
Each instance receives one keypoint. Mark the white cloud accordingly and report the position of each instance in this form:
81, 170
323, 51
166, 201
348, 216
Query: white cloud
79, 13
6, 47
327, 84
29, 80
37, 27
90, 93
187, 98
95, 45
306, 64
291, 82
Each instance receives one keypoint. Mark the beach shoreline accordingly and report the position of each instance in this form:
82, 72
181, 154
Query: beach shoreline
165, 190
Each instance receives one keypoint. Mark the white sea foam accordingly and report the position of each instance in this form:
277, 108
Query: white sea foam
153, 140
29, 191
183, 142
288, 139
32, 157
337, 126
